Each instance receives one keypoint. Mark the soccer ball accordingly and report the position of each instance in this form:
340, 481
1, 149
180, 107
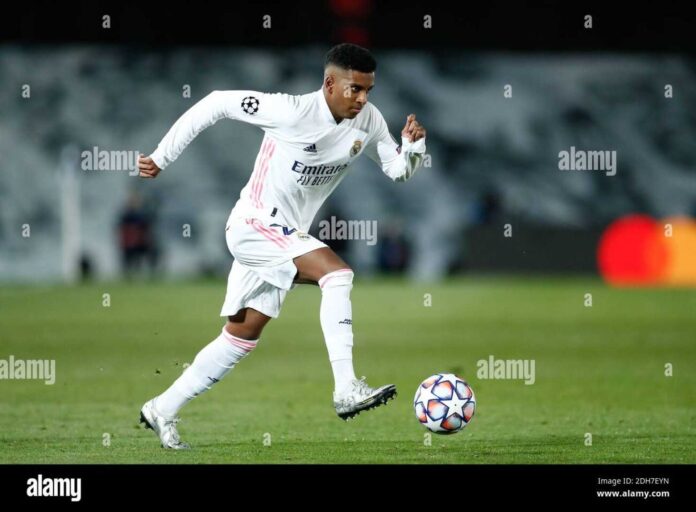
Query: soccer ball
444, 403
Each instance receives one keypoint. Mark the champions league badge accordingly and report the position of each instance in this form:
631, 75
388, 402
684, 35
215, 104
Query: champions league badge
250, 105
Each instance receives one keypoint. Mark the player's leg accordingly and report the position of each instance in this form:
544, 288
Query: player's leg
335, 278
247, 324
314, 265
238, 338
335, 313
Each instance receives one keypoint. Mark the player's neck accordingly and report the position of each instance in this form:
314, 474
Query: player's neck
338, 119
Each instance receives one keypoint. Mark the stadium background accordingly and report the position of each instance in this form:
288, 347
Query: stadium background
493, 162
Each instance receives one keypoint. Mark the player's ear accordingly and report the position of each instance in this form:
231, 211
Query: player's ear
329, 82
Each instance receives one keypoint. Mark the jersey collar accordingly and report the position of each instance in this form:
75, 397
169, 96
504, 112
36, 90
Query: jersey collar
325, 110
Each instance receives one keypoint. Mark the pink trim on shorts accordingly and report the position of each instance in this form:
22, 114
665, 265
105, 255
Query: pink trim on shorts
268, 233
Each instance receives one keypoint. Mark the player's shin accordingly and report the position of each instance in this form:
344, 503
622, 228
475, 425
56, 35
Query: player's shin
210, 366
337, 324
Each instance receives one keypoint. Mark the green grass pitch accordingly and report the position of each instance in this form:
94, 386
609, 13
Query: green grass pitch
599, 370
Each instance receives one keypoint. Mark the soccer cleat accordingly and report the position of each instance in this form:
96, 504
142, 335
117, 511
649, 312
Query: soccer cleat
361, 397
165, 428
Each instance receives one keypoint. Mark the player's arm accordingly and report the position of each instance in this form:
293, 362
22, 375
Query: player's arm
398, 162
261, 109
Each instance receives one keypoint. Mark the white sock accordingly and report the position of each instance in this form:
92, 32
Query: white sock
343, 373
337, 323
210, 365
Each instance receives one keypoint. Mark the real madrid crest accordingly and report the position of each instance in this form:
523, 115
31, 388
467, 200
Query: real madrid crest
356, 148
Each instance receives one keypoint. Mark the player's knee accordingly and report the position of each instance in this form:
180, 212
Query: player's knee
247, 324
243, 331
341, 277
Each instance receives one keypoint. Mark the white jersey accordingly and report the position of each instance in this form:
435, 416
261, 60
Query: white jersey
304, 154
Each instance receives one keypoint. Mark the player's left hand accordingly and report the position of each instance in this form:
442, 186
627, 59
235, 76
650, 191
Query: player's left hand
413, 129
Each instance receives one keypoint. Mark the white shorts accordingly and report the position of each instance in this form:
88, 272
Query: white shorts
263, 269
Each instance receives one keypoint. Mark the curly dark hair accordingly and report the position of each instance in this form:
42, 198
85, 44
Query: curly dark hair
351, 56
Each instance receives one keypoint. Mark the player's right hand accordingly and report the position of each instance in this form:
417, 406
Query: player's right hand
413, 130
147, 167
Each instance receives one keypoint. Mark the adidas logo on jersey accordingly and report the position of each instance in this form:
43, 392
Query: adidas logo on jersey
312, 148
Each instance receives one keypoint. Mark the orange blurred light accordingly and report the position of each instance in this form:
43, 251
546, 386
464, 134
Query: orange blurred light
680, 238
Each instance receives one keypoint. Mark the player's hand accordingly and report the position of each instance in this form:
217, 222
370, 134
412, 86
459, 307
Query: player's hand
413, 129
147, 167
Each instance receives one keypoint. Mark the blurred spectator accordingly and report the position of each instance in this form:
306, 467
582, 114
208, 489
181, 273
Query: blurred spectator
86, 267
394, 249
136, 239
488, 208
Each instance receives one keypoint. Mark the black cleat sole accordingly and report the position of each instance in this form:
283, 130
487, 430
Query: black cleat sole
145, 422
381, 399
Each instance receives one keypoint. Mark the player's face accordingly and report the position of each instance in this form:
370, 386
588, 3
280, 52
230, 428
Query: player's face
349, 90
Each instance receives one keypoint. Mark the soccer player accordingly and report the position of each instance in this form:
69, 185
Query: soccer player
309, 142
